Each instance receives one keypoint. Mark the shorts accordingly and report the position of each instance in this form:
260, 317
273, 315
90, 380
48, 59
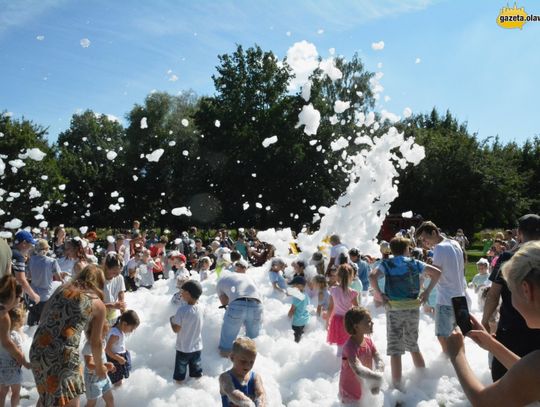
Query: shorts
95, 387
402, 331
445, 321
193, 359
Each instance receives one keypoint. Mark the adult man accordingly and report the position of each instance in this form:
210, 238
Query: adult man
512, 331
239, 294
21, 247
447, 257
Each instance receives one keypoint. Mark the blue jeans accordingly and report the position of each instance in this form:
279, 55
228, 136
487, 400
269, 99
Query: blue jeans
240, 312
183, 360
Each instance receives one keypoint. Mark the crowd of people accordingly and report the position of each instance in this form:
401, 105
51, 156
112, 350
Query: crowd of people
70, 285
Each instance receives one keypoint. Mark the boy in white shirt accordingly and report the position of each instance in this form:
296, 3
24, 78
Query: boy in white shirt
187, 324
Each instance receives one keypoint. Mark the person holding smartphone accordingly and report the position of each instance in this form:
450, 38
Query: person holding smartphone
520, 385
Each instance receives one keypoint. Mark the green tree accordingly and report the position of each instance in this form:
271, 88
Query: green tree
32, 185
93, 178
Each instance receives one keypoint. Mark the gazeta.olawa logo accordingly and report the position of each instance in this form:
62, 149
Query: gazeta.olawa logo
514, 17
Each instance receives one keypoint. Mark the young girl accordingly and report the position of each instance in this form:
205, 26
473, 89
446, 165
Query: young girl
359, 356
95, 386
322, 295
342, 298
145, 270
10, 369
331, 277
203, 267
277, 266
299, 268
116, 346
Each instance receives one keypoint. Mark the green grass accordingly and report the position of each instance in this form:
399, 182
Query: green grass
470, 271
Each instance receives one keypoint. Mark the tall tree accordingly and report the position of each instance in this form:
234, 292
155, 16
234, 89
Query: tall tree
91, 157
28, 172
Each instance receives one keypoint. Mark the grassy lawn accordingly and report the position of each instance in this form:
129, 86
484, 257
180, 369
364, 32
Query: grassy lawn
470, 271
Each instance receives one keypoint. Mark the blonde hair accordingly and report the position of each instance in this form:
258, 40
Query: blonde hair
244, 345
524, 265
91, 278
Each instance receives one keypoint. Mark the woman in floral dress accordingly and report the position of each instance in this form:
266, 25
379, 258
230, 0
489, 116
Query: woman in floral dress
54, 354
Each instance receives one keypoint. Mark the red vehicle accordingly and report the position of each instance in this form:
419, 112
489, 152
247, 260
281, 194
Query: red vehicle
393, 223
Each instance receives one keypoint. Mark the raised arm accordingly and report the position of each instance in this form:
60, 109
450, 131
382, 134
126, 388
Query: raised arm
235, 396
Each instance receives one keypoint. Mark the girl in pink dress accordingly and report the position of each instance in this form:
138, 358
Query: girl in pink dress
360, 358
342, 298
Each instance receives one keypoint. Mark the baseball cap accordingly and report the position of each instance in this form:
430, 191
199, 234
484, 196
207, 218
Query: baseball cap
483, 261
24, 236
193, 287
529, 224
298, 280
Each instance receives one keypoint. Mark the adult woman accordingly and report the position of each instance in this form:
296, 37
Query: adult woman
520, 385
54, 354
74, 259
58, 241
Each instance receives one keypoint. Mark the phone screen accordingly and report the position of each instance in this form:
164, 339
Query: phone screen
461, 312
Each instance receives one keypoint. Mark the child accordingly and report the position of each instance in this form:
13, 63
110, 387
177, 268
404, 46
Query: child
187, 324
317, 260
203, 267
240, 386
116, 346
402, 299
275, 274
323, 295
342, 298
95, 386
299, 268
298, 311
181, 273
332, 277
359, 354
10, 369
482, 278
145, 276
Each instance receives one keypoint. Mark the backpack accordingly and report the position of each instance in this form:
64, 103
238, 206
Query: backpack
403, 286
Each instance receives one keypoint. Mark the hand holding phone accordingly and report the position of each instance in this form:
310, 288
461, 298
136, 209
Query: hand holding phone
461, 312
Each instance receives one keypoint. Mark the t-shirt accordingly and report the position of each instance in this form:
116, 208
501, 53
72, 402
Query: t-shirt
350, 389
5, 257
120, 345
342, 300
111, 290
301, 313
336, 250
363, 273
145, 274
480, 280
237, 285
323, 302
448, 256
41, 270
190, 319
87, 351
276, 277
66, 265
18, 262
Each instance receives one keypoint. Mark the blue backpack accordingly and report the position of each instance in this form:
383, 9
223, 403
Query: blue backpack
400, 283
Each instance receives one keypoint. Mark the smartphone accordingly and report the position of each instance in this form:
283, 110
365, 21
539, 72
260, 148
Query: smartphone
461, 312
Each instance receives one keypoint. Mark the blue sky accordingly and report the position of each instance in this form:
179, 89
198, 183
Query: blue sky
485, 75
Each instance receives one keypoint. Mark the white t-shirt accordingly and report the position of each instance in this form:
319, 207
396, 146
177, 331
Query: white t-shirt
448, 256
146, 274
237, 285
112, 288
336, 250
120, 345
190, 319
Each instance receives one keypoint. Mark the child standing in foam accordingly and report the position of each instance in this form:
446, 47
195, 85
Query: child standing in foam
342, 298
203, 267
10, 369
240, 386
145, 270
322, 295
298, 311
360, 360
116, 346
277, 266
96, 387
187, 324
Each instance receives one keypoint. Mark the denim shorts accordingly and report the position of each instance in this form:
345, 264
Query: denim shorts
183, 360
96, 387
445, 322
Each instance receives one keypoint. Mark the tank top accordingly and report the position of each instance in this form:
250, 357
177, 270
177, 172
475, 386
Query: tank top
248, 389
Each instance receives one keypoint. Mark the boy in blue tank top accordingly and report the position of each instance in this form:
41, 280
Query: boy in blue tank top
240, 386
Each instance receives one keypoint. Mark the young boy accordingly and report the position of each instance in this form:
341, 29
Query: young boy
240, 386
298, 311
402, 299
187, 324
482, 278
